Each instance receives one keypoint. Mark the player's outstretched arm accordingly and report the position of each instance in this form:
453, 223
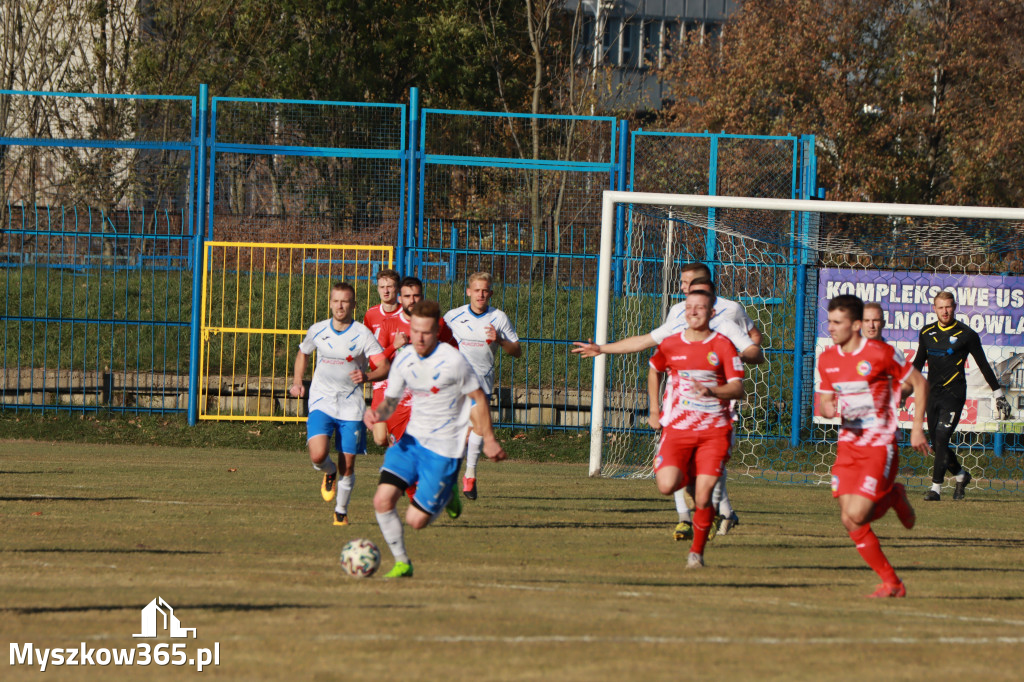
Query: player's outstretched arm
632, 344
753, 355
653, 398
298, 389
920, 390
380, 366
482, 420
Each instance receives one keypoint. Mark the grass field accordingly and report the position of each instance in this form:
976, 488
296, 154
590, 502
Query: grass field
549, 575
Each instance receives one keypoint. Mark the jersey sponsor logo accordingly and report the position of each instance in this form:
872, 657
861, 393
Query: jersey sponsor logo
831, 370
863, 368
835, 483
434, 389
713, 359
737, 364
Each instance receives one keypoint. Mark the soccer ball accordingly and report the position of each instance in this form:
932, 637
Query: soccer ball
360, 558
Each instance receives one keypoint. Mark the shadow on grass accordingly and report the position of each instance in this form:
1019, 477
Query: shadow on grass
51, 498
134, 550
36, 610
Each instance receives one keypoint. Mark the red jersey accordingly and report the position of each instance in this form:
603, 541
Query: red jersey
375, 317
689, 364
866, 383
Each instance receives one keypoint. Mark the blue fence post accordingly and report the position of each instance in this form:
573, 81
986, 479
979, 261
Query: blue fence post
808, 182
620, 212
406, 232
199, 190
710, 241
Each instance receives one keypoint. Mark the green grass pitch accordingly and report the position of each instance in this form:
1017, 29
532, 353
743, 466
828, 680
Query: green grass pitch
549, 575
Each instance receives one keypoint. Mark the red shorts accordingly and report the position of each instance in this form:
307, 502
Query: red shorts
865, 470
398, 421
703, 453
378, 397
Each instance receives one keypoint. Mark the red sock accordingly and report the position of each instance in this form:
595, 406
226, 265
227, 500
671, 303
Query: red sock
702, 520
867, 544
884, 505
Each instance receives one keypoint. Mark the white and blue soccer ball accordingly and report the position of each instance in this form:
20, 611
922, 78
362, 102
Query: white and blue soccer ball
360, 558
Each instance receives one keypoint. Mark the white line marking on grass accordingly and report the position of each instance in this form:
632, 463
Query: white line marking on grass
915, 614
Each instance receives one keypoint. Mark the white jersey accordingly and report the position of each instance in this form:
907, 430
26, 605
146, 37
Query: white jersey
439, 384
337, 354
468, 329
730, 320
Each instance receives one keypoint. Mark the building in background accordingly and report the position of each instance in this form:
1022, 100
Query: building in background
631, 39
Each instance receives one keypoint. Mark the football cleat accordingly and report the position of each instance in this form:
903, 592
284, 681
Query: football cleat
340, 518
329, 486
713, 530
695, 560
961, 486
727, 523
886, 591
902, 506
400, 570
454, 506
932, 496
683, 531
469, 488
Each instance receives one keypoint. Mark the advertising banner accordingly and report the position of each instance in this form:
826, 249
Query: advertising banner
992, 306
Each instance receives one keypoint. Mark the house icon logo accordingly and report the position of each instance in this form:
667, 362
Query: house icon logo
151, 620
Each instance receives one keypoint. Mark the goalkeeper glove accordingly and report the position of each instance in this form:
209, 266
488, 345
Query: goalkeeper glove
1003, 408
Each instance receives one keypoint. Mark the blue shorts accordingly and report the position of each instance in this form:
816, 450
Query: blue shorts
435, 476
349, 437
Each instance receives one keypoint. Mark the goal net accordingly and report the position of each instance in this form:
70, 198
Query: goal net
783, 260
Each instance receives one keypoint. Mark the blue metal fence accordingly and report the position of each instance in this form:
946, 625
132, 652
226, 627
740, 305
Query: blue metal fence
96, 225
455, 192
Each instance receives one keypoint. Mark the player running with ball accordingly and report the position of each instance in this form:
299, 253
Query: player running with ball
860, 383
429, 454
704, 374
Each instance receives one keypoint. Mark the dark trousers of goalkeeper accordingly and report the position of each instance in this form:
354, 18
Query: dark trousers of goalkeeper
944, 409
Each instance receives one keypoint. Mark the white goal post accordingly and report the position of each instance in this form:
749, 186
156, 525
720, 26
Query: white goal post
800, 212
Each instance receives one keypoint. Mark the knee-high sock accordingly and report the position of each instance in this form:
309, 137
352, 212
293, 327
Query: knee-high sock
720, 497
345, 486
473, 448
394, 533
702, 520
871, 551
681, 507
327, 466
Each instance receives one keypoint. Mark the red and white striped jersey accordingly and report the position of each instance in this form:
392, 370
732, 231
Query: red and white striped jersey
711, 362
866, 384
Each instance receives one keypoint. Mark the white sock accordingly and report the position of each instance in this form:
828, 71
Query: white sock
681, 508
473, 448
722, 503
961, 475
394, 534
345, 486
327, 466
937, 487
